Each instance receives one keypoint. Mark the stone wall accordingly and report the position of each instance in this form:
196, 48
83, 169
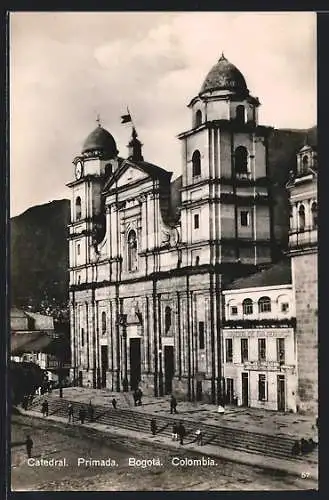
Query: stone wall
305, 282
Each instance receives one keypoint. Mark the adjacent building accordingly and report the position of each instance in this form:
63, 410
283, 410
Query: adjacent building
303, 251
260, 358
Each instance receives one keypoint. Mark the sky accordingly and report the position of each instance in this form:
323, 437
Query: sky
65, 68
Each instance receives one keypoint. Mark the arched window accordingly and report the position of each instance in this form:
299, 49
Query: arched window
247, 306
264, 304
305, 164
108, 169
314, 210
198, 118
196, 163
240, 114
78, 208
132, 251
167, 319
103, 323
241, 160
301, 218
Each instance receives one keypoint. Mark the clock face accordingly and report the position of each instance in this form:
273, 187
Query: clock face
78, 170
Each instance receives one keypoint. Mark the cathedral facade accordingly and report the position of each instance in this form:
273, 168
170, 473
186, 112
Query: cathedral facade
149, 256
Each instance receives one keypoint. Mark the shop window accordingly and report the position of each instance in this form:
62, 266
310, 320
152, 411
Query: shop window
262, 387
196, 163
247, 306
244, 350
261, 349
229, 350
264, 304
201, 335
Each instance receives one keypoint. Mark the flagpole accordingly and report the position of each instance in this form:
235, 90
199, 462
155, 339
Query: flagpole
132, 121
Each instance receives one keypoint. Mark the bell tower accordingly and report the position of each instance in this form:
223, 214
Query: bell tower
225, 201
91, 169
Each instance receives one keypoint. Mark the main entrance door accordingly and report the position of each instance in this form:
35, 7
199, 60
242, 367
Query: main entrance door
245, 389
104, 364
135, 363
169, 367
281, 393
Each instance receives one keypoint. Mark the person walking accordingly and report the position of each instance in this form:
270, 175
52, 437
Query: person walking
82, 415
199, 437
44, 408
29, 446
139, 396
173, 404
114, 403
90, 412
181, 432
174, 435
70, 413
153, 426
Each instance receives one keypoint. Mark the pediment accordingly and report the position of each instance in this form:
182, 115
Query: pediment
130, 175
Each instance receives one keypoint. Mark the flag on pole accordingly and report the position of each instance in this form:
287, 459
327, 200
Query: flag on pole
126, 118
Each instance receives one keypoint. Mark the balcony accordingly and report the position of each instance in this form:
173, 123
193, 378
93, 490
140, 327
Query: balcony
301, 239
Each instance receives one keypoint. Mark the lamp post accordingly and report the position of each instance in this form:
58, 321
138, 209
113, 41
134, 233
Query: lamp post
160, 374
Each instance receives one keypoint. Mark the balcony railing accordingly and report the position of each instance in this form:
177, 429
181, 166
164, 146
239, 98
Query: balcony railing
301, 238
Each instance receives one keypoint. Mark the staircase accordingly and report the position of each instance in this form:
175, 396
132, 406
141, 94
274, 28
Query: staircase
227, 437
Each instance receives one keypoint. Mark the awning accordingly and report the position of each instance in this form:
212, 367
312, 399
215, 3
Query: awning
30, 342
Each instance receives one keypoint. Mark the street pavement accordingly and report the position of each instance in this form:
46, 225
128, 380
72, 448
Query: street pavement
55, 439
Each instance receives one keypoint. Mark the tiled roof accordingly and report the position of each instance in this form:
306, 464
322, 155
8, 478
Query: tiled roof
278, 274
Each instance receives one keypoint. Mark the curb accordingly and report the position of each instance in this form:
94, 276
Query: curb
243, 459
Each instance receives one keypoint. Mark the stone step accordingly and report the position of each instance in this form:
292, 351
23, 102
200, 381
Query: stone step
218, 435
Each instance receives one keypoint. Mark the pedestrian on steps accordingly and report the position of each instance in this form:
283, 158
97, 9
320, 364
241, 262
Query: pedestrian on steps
199, 437
139, 396
82, 415
114, 403
174, 435
153, 426
181, 432
29, 446
44, 408
90, 412
173, 404
70, 413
